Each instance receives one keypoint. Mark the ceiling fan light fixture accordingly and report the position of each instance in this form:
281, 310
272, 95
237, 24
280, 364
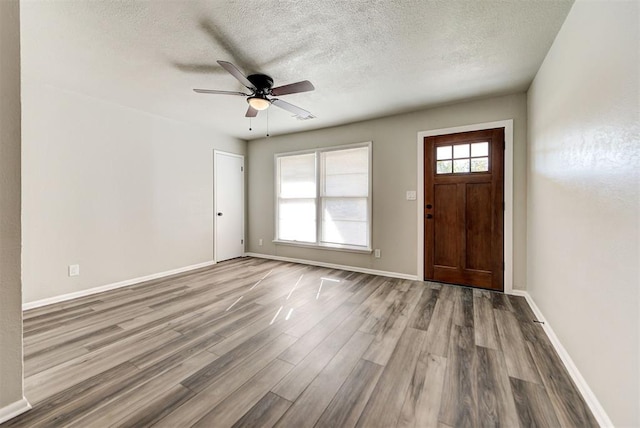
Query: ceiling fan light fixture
259, 103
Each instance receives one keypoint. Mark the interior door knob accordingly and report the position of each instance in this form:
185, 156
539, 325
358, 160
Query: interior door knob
219, 214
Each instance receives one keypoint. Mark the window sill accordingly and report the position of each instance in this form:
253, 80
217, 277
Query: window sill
343, 248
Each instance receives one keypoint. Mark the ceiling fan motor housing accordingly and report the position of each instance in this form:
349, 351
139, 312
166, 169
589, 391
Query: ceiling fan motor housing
262, 82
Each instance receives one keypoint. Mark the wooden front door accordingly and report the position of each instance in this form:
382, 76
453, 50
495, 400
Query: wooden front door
464, 208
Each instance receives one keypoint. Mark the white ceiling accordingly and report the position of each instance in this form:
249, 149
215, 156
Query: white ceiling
366, 58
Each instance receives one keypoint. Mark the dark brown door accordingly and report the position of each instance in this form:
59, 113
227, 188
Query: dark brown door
464, 210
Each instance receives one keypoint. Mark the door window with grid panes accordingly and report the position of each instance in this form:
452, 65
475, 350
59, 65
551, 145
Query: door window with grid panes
462, 158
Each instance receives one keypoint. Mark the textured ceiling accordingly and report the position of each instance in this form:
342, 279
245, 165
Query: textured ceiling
366, 58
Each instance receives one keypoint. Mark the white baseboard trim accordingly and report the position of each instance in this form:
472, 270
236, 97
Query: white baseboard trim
14, 409
588, 395
102, 288
335, 266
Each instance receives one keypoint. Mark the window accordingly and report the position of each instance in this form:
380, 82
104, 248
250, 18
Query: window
462, 158
323, 197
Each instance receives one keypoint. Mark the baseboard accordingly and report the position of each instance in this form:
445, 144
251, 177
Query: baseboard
102, 288
335, 266
588, 395
14, 409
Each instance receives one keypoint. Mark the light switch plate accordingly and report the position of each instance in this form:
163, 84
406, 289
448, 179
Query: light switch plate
411, 195
74, 270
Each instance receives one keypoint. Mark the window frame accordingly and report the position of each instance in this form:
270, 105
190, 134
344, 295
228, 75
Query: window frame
319, 174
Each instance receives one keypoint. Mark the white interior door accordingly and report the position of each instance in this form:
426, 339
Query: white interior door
228, 205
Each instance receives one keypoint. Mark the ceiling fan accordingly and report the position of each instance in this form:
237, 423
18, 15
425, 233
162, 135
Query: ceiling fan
262, 94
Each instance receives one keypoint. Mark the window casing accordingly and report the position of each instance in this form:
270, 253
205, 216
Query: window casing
323, 197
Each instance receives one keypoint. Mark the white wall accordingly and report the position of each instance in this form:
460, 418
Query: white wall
120, 192
394, 172
10, 308
584, 195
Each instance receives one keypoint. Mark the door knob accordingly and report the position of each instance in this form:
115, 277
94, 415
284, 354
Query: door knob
219, 214
429, 206
429, 216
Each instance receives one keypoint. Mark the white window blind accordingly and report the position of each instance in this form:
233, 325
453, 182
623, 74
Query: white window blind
323, 198
297, 198
345, 191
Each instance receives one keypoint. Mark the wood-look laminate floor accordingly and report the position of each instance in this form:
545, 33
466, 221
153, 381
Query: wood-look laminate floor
252, 342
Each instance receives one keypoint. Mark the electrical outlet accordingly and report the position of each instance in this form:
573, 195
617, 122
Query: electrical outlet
74, 270
260, 242
376, 253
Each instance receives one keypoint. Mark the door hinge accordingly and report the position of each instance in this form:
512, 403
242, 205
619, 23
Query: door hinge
504, 145
241, 169
242, 241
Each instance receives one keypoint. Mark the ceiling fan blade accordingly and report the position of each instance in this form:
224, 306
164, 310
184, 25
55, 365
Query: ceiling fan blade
214, 91
293, 88
251, 112
291, 108
233, 70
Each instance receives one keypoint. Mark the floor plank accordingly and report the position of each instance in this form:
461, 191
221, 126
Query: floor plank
486, 332
231, 409
564, 396
533, 404
422, 404
496, 406
305, 372
221, 381
347, 405
265, 413
385, 404
306, 410
459, 393
516, 353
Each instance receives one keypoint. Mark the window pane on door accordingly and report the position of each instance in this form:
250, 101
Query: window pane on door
480, 165
461, 151
479, 149
444, 167
461, 165
443, 152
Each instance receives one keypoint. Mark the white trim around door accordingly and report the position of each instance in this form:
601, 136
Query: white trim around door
508, 192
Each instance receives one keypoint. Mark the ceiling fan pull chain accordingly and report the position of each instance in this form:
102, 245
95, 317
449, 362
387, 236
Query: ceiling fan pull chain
250, 125
267, 123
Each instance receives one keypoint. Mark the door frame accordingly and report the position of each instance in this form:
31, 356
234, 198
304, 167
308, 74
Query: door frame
508, 192
217, 153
